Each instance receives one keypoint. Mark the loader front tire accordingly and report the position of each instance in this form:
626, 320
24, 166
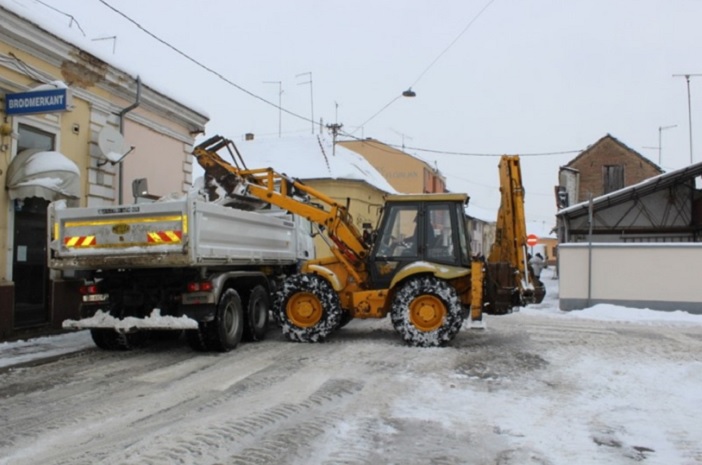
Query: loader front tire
308, 308
427, 312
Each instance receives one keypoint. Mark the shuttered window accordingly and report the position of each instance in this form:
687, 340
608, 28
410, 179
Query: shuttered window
612, 178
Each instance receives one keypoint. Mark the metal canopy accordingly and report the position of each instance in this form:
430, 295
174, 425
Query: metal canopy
45, 174
659, 209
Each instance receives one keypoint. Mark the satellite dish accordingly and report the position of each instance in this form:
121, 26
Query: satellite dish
111, 143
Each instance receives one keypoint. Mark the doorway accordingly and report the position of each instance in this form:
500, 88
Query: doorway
29, 266
30, 272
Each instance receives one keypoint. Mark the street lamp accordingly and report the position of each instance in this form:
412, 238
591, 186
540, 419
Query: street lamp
689, 105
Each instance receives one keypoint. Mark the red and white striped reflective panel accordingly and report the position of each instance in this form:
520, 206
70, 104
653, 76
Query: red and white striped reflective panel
80, 241
164, 237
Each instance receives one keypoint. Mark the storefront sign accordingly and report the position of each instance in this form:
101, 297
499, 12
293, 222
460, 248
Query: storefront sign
40, 101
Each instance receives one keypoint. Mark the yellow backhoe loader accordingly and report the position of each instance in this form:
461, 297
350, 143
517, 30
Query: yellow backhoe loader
417, 266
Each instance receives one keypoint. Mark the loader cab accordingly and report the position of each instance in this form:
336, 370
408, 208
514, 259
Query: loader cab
422, 227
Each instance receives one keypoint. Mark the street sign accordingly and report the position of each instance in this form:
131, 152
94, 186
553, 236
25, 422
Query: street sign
532, 240
37, 101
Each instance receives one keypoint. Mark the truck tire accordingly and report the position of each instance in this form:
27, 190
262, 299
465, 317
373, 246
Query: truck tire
224, 332
257, 308
308, 308
427, 312
109, 339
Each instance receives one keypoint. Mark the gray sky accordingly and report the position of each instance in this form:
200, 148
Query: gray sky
527, 76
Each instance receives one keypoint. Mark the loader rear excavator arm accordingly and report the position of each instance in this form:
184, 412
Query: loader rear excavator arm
513, 284
271, 187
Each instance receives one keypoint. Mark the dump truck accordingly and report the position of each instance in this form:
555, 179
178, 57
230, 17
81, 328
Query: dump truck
178, 264
416, 266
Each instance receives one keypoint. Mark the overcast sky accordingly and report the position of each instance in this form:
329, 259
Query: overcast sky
500, 76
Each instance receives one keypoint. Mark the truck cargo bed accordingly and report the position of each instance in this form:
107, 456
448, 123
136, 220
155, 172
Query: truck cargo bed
174, 233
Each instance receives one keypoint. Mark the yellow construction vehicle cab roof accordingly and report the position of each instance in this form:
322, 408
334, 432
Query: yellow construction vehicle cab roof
441, 197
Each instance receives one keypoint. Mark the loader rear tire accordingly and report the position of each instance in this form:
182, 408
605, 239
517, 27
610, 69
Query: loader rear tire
257, 309
427, 312
308, 308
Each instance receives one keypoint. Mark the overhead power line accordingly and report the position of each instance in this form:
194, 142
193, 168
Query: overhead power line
470, 23
279, 107
421, 75
71, 17
464, 154
200, 64
469, 154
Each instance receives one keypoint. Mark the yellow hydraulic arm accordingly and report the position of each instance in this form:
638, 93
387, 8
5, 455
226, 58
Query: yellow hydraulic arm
510, 235
278, 189
512, 282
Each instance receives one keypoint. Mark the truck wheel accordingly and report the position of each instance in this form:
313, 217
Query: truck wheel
426, 312
257, 308
308, 308
229, 322
105, 339
109, 339
224, 333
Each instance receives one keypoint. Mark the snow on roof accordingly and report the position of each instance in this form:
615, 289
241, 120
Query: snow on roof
56, 23
311, 157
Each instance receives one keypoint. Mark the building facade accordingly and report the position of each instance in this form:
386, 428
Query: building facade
606, 166
406, 173
110, 130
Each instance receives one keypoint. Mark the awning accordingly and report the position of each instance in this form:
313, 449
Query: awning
46, 174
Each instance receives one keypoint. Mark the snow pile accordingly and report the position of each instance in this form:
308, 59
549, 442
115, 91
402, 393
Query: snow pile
153, 321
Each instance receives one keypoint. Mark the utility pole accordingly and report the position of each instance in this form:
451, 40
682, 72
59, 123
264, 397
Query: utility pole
334, 128
280, 104
689, 105
311, 96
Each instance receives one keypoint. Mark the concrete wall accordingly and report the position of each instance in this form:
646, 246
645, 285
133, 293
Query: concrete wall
647, 275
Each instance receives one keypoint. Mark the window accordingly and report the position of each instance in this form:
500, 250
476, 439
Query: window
33, 138
612, 178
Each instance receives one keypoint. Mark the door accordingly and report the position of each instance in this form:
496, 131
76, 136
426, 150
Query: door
29, 268
29, 264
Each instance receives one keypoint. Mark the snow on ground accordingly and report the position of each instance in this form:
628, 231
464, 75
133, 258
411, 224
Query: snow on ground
539, 386
18, 352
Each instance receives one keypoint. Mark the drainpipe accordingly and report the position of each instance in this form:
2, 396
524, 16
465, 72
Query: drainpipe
121, 114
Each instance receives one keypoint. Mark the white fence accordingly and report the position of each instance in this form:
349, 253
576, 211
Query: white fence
661, 276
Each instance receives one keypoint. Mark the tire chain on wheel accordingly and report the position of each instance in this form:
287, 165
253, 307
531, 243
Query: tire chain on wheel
326, 295
415, 287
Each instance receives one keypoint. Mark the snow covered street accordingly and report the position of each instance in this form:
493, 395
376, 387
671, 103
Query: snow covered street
605, 386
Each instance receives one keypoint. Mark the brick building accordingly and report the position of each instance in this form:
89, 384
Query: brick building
606, 166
